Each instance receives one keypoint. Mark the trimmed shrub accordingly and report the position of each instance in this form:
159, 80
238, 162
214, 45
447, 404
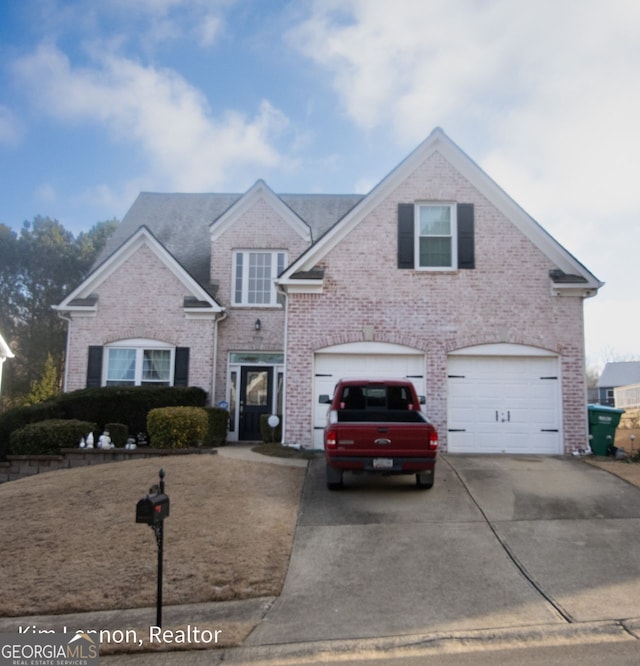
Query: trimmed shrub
268, 433
218, 426
118, 432
17, 418
177, 427
48, 437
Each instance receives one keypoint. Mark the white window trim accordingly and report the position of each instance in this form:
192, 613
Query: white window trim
243, 303
140, 345
454, 235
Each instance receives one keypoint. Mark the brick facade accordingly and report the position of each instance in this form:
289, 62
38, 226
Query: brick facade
506, 299
142, 299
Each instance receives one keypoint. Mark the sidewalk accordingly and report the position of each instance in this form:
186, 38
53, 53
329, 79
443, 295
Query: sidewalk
243, 451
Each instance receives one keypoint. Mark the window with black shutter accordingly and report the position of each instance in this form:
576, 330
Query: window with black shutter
436, 236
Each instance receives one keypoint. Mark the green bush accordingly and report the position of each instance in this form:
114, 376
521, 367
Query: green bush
17, 418
48, 437
218, 426
268, 433
118, 404
128, 404
177, 427
118, 432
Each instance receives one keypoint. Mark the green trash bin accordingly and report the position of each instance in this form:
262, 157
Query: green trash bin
603, 422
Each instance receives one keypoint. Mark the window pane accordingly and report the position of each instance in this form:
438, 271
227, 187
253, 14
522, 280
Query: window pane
239, 260
435, 221
279, 392
257, 388
232, 401
435, 252
259, 278
156, 366
121, 368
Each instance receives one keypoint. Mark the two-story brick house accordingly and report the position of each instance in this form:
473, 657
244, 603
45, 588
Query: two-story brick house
264, 300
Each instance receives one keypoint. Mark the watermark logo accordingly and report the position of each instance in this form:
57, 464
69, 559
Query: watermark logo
18, 649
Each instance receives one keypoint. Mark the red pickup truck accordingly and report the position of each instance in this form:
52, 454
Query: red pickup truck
377, 426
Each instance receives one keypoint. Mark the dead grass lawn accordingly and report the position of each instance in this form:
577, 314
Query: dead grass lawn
70, 541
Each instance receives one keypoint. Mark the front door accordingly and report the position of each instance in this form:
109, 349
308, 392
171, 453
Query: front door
256, 386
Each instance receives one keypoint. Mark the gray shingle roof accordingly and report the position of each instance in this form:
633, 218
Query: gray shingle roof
620, 373
181, 222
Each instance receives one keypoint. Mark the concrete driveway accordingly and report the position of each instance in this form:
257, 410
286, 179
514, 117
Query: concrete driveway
498, 542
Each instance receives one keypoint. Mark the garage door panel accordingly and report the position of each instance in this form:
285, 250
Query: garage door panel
503, 405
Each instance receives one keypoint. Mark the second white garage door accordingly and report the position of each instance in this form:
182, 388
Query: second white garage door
504, 404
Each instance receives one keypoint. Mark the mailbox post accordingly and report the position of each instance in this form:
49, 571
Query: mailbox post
152, 510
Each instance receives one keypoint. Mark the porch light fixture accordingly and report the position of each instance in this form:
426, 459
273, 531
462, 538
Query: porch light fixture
258, 325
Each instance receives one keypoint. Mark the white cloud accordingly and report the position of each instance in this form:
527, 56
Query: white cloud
46, 193
10, 127
209, 30
158, 113
170, 20
546, 92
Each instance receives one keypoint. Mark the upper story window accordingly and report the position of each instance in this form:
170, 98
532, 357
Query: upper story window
436, 236
436, 245
138, 363
254, 274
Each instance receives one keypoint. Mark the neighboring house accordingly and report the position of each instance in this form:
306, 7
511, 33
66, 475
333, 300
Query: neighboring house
265, 300
615, 374
5, 353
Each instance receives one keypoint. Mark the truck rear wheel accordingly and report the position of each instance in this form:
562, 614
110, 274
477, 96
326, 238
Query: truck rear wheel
334, 478
424, 480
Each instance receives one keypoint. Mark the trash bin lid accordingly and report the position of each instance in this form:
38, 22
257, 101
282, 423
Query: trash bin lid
604, 408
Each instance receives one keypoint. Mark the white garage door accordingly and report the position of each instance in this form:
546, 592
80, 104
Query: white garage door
362, 360
504, 405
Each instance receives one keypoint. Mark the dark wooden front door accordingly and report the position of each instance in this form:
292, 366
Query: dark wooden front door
256, 387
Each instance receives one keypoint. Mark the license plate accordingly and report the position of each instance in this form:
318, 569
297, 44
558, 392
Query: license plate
382, 463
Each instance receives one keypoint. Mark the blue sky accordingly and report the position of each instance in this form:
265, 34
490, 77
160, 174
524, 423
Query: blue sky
101, 100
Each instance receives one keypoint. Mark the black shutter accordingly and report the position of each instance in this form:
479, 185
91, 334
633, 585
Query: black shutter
405, 236
181, 367
466, 252
94, 367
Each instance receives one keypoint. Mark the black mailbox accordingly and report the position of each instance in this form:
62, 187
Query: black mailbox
152, 509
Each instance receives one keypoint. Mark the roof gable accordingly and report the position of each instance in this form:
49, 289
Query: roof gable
259, 191
83, 298
439, 142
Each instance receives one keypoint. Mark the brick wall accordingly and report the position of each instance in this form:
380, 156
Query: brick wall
261, 228
19, 467
507, 298
143, 299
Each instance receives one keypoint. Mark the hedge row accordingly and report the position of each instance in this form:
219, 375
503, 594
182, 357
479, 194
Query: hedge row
101, 406
48, 437
168, 428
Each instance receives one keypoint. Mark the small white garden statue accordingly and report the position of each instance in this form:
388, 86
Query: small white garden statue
89, 441
104, 441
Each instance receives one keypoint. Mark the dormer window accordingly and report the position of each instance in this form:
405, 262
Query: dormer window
254, 273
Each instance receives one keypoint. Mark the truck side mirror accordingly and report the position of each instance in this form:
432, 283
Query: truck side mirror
152, 509
422, 399
324, 399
